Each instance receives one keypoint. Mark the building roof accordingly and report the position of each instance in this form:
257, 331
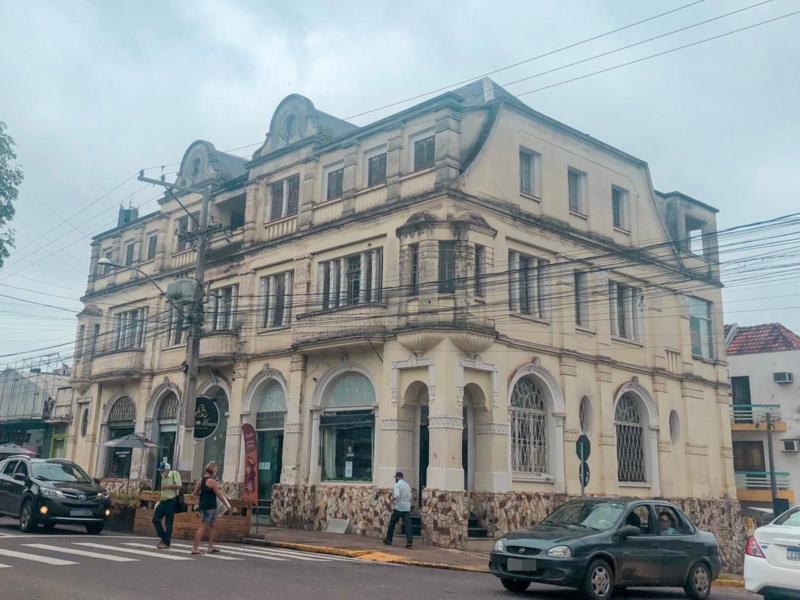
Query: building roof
758, 339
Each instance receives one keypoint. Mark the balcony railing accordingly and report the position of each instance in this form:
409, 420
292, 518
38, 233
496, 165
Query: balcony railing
754, 414
760, 480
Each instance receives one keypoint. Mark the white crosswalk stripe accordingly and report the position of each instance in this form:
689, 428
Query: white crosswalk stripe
182, 551
2, 566
291, 553
78, 552
164, 554
239, 552
55, 562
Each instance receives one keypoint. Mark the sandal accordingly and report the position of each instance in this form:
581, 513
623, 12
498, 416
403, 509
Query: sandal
196, 552
213, 551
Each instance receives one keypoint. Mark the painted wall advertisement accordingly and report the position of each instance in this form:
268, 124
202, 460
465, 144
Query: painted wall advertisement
250, 492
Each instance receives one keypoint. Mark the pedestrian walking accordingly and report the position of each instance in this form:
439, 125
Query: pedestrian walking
209, 492
402, 510
165, 509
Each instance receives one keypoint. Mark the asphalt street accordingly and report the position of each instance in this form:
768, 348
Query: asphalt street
67, 563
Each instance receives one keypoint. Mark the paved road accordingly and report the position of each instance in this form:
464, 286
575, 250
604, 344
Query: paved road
67, 563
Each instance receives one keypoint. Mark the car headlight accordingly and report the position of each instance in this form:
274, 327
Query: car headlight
51, 493
559, 552
500, 545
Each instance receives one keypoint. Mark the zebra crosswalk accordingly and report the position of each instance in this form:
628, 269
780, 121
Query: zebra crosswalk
127, 550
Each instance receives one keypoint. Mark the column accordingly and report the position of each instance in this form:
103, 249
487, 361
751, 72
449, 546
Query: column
349, 182
394, 166
234, 436
448, 128
292, 472
139, 457
396, 450
605, 472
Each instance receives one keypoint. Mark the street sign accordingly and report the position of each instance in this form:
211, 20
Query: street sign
583, 475
583, 448
206, 417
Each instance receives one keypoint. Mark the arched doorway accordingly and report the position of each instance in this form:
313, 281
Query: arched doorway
166, 427
269, 404
211, 443
121, 422
416, 402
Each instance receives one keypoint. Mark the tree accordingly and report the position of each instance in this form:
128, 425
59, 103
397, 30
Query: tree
10, 180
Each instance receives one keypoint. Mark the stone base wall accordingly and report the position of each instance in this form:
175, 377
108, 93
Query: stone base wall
311, 506
445, 516
724, 519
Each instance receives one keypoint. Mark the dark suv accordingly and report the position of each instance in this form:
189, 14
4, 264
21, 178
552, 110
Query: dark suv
44, 492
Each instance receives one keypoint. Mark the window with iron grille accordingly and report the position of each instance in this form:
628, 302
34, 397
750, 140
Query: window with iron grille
528, 277
424, 153
625, 306
351, 280
576, 181
129, 327
334, 184
275, 300
447, 267
480, 258
413, 258
700, 327
168, 411
221, 309
284, 197
376, 169
152, 246
630, 439
529, 452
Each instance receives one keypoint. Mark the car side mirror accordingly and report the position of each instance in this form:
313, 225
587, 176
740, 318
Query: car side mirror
629, 531
20, 476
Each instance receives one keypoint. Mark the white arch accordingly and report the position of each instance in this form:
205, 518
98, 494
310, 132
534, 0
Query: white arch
110, 404
326, 380
555, 422
649, 431
646, 400
266, 374
151, 410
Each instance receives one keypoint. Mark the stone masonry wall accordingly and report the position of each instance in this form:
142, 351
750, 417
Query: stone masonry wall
444, 518
724, 519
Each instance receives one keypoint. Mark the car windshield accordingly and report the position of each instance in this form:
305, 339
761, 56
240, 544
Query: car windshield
790, 518
64, 472
589, 514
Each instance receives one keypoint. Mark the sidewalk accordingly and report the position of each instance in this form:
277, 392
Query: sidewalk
365, 548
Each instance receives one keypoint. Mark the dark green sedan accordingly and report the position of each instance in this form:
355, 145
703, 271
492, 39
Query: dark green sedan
599, 544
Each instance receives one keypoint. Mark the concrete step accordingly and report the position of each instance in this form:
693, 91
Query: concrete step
483, 545
477, 532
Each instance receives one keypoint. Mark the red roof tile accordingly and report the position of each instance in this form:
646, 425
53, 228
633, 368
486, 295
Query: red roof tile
757, 339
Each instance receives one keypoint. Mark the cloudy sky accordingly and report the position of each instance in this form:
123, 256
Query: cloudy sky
94, 91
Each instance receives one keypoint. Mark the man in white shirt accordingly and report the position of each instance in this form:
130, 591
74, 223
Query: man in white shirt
402, 509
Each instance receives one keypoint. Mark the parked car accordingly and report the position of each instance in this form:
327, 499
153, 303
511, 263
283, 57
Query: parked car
599, 544
772, 557
48, 491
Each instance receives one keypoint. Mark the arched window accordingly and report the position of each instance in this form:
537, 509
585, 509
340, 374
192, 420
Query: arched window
674, 427
168, 411
628, 422
270, 406
167, 427
347, 425
585, 415
121, 420
85, 422
528, 427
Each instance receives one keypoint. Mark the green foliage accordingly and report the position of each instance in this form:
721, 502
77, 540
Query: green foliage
10, 180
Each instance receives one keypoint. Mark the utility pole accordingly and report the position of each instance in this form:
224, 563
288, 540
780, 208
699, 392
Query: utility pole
184, 455
771, 453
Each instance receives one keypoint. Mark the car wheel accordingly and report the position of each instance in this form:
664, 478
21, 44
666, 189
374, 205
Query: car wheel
27, 523
698, 583
515, 585
94, 528
598, 582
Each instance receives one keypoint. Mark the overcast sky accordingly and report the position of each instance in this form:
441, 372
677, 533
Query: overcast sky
94, 91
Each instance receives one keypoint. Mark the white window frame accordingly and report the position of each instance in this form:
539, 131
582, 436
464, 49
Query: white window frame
130, 248
129, 329
215, 319
268, 300
334, 272
581, 290
412, 142
284, 200
152, 236
536, 169
632, 299
706, 321
583, 184
537, 285
337, 166
625, 208
370, 154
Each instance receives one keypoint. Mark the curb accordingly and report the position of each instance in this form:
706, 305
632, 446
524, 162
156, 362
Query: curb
369, 555
725, 582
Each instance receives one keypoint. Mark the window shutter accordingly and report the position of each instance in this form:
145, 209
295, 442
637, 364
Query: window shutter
377, 275
612, 307
543, 273
272, 301
343, 283
333, 284
363, 297
287, 295
234, 306
513, 281
321, 268
533, 287
263, 302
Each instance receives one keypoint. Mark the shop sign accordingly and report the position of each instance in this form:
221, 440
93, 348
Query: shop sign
206, 417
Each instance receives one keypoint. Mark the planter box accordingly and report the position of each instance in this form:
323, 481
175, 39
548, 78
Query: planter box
231, 527
122, 518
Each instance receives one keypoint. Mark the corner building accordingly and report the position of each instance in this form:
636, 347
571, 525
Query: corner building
456, 291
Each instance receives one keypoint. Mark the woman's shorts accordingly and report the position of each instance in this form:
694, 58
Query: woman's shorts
208, 516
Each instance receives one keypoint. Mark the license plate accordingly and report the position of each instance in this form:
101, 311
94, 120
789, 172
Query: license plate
521, 564
80, 513
793, 553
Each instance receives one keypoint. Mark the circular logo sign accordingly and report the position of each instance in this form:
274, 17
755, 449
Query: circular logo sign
206, 417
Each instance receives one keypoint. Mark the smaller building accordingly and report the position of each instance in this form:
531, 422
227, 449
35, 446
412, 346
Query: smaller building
764, 363
36, 406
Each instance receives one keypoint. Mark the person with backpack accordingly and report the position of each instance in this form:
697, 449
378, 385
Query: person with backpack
165, 509
209, 492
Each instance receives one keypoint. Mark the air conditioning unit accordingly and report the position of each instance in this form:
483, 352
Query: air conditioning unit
783, 377
791, 445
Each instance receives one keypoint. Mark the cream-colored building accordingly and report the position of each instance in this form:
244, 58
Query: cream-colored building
457, 291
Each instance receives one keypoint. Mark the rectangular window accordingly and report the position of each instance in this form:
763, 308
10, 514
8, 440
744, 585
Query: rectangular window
129, 328
130, 249
529, 172
351, 280
284, 198
275, 298
581, 300
175, 335
480, 258
221, 310
625, 308
413, 251
95, 338
79, 345
619, 208
335, 183
740, 392
376, 170
577, 189
152, 246
186, 227
447, 267
700, 327
346, 448
106, 269
424, 153
749, 456
528, 284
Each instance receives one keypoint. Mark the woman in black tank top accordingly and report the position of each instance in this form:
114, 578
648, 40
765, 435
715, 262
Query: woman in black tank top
209, 492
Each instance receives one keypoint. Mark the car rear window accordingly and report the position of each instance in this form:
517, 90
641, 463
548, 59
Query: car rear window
790, 518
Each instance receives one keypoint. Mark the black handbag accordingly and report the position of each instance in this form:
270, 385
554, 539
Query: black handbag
180, 504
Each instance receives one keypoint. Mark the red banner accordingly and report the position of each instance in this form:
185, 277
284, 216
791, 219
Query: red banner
250, 464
